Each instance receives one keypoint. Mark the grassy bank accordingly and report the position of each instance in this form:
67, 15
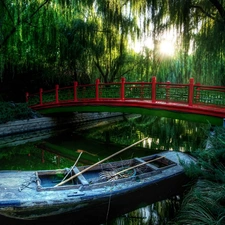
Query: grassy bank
205, 203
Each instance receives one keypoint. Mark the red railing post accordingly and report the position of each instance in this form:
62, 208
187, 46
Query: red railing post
75, 91
57, 93
27, 97
167, 91
154, 89
122, 89
97, 89
40, 96
191, 92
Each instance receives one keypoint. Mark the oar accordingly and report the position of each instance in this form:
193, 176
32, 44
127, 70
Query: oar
101, 161
72, 166
133, 167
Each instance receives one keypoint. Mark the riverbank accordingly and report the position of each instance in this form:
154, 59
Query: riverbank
30, 130
60, 121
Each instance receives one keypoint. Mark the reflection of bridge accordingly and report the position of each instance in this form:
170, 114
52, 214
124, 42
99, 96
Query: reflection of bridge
185, 101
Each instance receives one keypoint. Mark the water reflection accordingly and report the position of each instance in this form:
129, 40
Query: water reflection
159, 213
163, 133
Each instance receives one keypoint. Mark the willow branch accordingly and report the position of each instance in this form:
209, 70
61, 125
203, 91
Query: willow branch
19, 22
127, 71
219, 8
97, 64
36, 11
203, 11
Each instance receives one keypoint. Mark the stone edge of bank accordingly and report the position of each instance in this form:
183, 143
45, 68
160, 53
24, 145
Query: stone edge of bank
30, 125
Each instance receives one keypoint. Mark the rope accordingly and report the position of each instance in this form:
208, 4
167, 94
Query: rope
33, 179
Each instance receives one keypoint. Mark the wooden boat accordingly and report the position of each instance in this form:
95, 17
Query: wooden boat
98, 194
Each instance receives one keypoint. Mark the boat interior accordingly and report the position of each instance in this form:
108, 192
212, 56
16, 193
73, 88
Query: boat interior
102, 173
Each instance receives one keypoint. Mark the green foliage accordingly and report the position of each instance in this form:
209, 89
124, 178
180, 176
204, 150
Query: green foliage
8, 153
205, 203
14, 111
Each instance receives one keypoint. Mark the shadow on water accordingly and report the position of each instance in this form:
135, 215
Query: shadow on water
60, 151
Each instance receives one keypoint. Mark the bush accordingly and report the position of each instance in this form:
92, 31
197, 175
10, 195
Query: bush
10, 111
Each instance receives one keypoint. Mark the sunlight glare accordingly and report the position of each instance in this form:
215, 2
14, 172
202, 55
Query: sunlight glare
167, 43
167, 47
144, 43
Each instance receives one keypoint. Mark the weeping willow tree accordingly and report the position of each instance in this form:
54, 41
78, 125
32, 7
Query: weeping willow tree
109, 46
36, 39
57, 41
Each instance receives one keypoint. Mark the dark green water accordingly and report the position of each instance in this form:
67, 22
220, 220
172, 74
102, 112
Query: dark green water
99, 143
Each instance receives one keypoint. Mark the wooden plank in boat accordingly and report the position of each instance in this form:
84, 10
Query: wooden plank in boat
147, 164
51, 172
80, 177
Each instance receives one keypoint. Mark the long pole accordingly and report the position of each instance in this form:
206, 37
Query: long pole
101, 161
141, 164
72, 166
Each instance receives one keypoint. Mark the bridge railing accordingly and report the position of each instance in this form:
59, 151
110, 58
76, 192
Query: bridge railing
153, 91
168, 92
209, 95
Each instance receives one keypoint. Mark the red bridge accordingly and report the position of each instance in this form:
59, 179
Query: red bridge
190, 101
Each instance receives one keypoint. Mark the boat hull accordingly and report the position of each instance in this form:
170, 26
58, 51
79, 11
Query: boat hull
98, 203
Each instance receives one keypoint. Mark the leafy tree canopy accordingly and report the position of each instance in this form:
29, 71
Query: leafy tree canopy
43, 42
